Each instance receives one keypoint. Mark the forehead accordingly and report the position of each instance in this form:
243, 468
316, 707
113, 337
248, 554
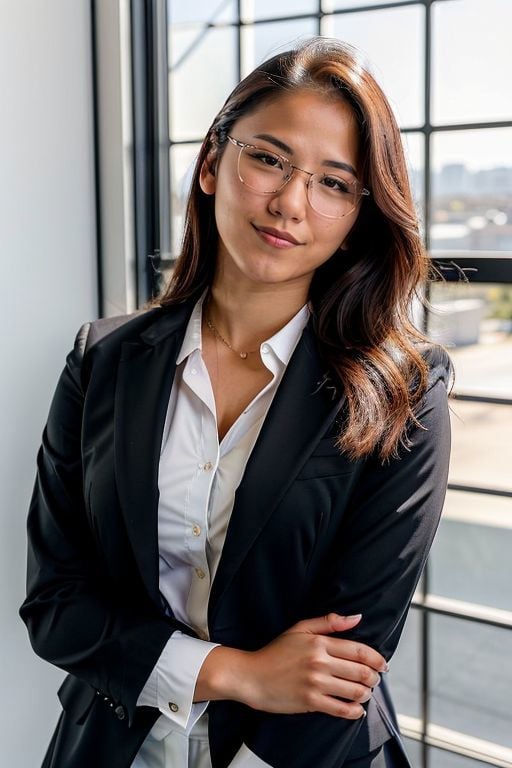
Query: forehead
313, 125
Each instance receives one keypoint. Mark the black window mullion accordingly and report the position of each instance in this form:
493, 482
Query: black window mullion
239, 38
145, 155
427, 192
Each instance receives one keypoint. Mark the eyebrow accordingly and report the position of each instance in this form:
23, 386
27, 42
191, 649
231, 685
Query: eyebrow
285, 148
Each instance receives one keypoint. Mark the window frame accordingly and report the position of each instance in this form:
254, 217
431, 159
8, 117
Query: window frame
153, 193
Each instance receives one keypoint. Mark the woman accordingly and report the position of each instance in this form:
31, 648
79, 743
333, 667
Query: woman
237, 489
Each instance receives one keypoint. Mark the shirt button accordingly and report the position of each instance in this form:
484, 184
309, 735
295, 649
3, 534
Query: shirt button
173, 707
208, 465
200, 573
265, 348
196, 530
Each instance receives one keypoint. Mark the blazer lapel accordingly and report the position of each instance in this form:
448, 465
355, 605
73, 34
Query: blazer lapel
145, 375
300, 413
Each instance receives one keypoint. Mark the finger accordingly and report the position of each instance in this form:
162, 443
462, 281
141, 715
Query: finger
354, 672
325, 625
358, 652
346, 689
326, 684
345, 709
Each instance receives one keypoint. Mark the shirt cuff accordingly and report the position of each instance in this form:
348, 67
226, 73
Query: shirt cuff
170, 686
245, 758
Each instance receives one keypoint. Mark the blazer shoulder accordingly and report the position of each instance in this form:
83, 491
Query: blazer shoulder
90, 333
439, 363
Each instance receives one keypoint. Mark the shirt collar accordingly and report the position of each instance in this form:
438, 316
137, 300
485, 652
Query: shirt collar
285, 340
281, 343
192, 338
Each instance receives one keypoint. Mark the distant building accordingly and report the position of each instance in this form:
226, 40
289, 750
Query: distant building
453, 179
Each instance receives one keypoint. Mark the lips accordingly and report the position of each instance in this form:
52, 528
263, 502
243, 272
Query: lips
278, 235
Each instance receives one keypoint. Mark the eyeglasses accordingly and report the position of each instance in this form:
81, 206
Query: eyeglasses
265, 172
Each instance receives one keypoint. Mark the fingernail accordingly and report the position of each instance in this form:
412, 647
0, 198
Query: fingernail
385, 668
364, 713
354, 616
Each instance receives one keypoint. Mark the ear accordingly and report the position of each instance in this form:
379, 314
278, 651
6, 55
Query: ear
207, 175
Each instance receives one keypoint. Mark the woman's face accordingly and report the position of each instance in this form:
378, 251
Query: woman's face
311, 131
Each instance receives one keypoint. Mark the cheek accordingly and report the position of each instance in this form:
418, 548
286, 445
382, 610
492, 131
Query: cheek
338, 233
332, 235
229, 194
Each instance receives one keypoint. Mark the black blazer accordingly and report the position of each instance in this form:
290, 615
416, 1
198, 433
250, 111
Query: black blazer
310, 532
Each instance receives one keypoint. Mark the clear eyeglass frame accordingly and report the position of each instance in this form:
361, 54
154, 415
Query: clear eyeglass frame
363, 192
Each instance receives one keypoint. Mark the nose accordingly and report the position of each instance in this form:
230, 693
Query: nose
291, 202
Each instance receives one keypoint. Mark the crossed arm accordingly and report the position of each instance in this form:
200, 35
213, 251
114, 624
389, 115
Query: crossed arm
373, 569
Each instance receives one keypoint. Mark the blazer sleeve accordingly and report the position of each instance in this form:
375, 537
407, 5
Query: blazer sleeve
373, 567
72, 620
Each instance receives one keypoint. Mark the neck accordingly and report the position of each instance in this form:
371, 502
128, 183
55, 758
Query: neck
246, 318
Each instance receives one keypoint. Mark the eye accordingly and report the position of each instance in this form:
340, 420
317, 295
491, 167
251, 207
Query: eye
265, 158
336, 184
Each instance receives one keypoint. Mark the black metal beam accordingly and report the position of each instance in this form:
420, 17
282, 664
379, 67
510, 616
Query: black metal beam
481, 399
145, 133
502, 493
96, 140
475, 268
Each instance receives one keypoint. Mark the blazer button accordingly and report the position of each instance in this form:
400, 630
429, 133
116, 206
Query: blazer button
173, 707
120, 712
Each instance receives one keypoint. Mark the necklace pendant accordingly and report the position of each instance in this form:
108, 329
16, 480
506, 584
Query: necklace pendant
243, 355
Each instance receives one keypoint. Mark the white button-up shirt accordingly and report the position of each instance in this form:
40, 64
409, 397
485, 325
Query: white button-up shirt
198, 477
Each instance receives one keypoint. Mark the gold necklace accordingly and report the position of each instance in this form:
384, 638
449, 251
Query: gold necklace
214, 330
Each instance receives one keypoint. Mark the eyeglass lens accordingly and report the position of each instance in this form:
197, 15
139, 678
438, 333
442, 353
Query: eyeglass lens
333, 195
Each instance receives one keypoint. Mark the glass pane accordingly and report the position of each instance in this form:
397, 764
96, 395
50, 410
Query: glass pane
206, 11
334, 5
414, 752
269, 9
481, 454
197, 88
261, 41
414, 146
440, 758
404, 675
472, 190
475, 322
393, 42
182, 159
471, 679
470, 559
472, 61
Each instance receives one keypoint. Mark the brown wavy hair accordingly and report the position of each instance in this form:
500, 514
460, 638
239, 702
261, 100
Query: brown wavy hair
360, 302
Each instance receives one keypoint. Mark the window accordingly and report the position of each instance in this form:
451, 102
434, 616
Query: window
445, 65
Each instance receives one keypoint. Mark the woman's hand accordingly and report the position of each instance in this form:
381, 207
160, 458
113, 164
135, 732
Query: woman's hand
302, 670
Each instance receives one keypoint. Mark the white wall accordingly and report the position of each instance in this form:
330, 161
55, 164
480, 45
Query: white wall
47, 289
